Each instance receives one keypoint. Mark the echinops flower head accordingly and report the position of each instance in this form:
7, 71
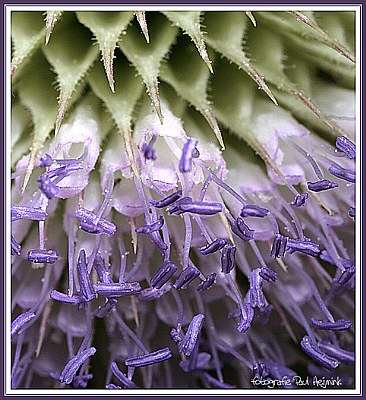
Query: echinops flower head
183, 198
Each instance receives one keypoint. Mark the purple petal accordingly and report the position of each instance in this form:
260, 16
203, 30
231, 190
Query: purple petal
303, 246
255, 291
268, 274
300, 200
346, 357
245, 320
15, 247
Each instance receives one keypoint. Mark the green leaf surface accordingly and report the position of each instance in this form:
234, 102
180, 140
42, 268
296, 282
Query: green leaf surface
147, 57
293, 92
107, 28
121, 104
27, 31
71, 53
302, 38
189, 77
189, 22
225, 33
39, 95
234, 98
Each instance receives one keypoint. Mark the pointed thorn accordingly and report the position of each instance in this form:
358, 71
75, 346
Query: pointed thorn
30, 167
60, 114
108, 56
154, 94
140, 15
251, 17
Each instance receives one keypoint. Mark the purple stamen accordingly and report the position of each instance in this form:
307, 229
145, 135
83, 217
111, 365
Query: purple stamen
212, 247
87, 223
216, 383
300, 200
241, 229
163, 274
155, 226
346, 276
45, 161
15, 246
150, 294
176, 207
316, 354
74, 364
81, 382
112, 386
47, 187
342, 173
150, 358
166, 201
268, 274
86, 286
147, 149
325, 256
303, 246
228, 258
346, 357
185, 162
186, 277
260, 370
206, 284
279, 246
106, 308
321, 185
42, 256
339, 325
352, 212
103, 272
127, 383
196, 363
64, 298
255, 292
21, 321
198, 207
25, 212
175, 336
245, 320
115, 290
251, 210
189, 341
346, 146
